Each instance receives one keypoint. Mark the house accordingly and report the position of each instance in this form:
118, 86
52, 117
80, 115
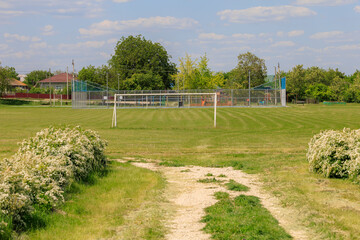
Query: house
22, 77
57, 82
17, 84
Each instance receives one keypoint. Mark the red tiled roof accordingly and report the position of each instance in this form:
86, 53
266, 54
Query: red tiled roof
58, 78
13, 82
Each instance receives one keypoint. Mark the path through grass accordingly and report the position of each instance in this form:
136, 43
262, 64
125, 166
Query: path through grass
270, 142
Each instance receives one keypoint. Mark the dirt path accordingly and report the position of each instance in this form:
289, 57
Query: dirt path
190, 198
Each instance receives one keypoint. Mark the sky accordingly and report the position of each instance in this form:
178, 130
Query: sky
48, 34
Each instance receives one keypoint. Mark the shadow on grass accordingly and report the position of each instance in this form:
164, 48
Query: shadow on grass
5, 101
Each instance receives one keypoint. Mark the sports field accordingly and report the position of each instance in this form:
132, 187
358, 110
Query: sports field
270, 142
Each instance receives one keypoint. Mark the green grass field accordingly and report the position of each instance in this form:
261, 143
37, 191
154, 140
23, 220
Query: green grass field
271, 142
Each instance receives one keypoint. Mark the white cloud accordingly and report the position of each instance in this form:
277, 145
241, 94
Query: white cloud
11, 13
280, 34
211, 36
3, 46
243, 35
262, 14
348, 47
108, 26
112, 41
121, 1
48, 30
18, 37
81, 45
357, 9
66, 10
5, 4
93, 44
296, 33
40, 45
326, 35
324, 2
283, 44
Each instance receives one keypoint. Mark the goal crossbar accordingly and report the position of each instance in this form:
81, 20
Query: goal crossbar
114, 118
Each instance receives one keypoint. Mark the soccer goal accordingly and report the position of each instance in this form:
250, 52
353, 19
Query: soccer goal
163, 100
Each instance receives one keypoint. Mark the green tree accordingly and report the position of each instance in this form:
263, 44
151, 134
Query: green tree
135, 55
239, 77
6, 73
319, 91
93, 74
144, 81
197, 75
314, 75
4, 82
352, 94
11, 73
338, 88
35, 76
295, 82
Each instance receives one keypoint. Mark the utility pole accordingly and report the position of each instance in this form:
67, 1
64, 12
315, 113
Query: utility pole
118, 83
67, 83
50, 86
73, 83
275, 78
279, 74
249, 90
107, 90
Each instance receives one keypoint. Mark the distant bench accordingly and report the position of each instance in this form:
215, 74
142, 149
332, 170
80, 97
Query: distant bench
300, 102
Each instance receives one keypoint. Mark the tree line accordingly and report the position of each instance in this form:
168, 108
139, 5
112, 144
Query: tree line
322, 85
140, 64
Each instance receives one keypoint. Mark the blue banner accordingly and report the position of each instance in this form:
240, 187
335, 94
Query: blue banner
283, 83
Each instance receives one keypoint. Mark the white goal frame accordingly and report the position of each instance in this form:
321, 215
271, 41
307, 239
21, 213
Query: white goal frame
114, 117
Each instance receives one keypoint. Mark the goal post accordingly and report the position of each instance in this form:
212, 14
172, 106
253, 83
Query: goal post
156, 100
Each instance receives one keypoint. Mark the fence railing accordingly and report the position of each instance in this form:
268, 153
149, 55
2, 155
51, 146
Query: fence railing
35, 96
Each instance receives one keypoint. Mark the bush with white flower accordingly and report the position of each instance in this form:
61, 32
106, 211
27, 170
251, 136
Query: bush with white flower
336, 154
43, 167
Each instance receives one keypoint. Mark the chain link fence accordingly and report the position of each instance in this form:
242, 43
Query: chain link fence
84, 97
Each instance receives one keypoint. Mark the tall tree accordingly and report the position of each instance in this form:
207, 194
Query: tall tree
4, 82
295, 82
197, 75
247, 62
6, 73
138, 55
35, 76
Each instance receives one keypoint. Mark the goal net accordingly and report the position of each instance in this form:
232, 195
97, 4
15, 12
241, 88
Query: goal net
164, 100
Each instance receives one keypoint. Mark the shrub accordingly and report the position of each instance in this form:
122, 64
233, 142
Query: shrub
44, 166
335, 154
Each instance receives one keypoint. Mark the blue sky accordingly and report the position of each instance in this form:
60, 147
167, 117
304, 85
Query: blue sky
41, 34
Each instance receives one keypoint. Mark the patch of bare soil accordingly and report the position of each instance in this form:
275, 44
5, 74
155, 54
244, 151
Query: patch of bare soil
190, 197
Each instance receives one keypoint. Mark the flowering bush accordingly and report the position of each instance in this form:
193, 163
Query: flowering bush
42, 168
336, 154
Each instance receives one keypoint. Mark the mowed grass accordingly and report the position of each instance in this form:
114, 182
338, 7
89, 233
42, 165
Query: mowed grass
271, 142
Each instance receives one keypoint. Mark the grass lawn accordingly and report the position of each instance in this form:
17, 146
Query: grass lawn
271, 142
95, 211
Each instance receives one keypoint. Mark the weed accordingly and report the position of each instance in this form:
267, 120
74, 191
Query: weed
209, 180
235, 186
171, 164
241, 218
